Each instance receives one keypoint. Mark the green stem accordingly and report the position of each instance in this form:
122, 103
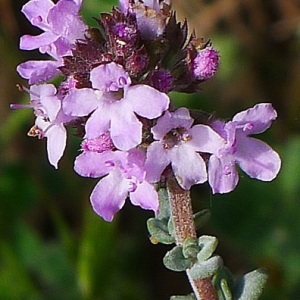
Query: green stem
184, 227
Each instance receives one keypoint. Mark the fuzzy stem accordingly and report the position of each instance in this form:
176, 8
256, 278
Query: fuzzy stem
184, 227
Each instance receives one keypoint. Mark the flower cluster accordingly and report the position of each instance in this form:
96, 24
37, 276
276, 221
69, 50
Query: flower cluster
116, 78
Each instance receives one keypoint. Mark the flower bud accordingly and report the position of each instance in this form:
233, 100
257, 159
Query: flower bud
205, 64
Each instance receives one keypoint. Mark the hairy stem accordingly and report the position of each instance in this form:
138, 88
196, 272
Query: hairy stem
182, 216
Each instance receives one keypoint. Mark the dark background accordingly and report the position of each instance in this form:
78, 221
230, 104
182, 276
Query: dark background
53, 246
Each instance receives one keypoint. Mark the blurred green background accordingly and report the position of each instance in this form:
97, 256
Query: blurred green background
52, 245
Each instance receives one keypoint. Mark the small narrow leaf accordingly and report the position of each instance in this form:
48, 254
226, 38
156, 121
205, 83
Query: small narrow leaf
207, 245
164, 205
190, 248
251, 285
171, 228
175, 261
208, 268
159, 232
225, 290
224, 283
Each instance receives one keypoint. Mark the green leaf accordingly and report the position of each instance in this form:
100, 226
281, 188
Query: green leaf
190, 248
204, 269
175, 261
207, 245
164, 205
159, 232
251, 285
224, 283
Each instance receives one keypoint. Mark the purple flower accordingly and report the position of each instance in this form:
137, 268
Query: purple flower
255, 157
151, 16
124, 176
49, 120
39, 71
114, 105
206, 63
62, 26
178, 144
61, 23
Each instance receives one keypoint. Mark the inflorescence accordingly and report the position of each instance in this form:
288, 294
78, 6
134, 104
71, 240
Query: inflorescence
116, 80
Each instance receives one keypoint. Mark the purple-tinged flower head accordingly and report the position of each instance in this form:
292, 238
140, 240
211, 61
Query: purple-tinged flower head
49, 121
88, 54
205, 64
161, 80
137, 63
113, 105
124, 176
255, 157
179, 143
61, 25
121, 32
151, 16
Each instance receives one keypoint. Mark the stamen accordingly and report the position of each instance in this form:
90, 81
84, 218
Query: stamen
35, 131
17, 106
245, 127
176, 136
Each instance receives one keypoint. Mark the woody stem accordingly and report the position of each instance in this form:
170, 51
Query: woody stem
184, 227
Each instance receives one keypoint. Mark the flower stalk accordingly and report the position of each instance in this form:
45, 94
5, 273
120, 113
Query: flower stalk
184, 227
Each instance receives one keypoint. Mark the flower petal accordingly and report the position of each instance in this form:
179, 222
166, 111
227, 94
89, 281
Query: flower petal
109, 77
145, 196
73, 27
188, 166
156, 161
260, 117
205, 140
147, 101
222, 174
37, 10
38, 71
257, 159
98, 123
56, 143
80, 102
126, 130
109, 195
93, 164
47, 96
179, 118
31, 42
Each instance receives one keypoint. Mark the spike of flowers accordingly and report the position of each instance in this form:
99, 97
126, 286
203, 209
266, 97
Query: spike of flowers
116, 77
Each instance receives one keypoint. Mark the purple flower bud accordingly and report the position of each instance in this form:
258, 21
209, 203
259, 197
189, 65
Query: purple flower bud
205, 64
161, 80
121, 30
